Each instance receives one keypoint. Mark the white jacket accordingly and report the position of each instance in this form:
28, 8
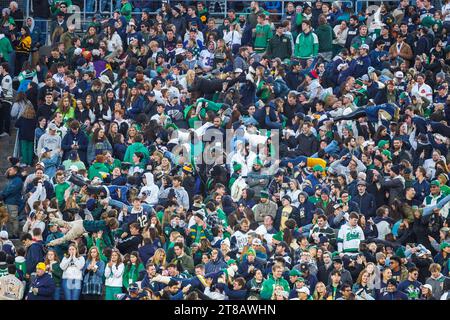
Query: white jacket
115, 43
114, 275
232, 37
72, 267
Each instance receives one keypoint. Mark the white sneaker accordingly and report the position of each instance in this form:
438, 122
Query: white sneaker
4, 134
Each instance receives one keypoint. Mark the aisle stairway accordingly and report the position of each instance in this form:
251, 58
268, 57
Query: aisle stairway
6, 149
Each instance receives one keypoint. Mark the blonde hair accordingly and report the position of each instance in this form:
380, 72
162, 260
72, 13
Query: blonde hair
156, 259
190, 76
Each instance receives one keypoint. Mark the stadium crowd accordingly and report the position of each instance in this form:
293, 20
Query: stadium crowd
170, 156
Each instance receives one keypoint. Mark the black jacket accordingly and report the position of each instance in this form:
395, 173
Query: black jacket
366, 203
307, 145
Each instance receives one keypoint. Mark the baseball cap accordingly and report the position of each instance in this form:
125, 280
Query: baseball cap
4, 234
52, 126
256, 242
364, 46
294, 273
303, 290
428, 286
399, 74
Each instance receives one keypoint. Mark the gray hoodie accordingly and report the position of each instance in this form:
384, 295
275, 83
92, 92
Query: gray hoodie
436, 285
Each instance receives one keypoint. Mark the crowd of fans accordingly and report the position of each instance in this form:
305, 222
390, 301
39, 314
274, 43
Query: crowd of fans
170, 156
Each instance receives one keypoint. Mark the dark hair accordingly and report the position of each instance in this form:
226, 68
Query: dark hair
25, 237
12, 269
5, 66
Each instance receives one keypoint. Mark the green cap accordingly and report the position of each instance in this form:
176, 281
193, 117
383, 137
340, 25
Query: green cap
387, 153
444, 245
278, 236
382, 143
251, 252
435, 183
334, 254
264, 194
237, 166
295, 273
403, 95
300, 279
230, 262
318, 167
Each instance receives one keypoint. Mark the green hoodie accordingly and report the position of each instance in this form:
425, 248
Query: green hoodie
96, 170
325, 36
5, 48
263, 33
126, 10
306, 45
132, 149
269, 284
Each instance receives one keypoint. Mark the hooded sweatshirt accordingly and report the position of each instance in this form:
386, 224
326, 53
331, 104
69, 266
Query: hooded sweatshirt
150, 189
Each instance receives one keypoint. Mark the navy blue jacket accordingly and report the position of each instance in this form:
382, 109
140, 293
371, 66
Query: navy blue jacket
366, 203
154, 286
26, 128
35, 254
397, 295
12, 194
244, 265
81, 139
46, 288
215, 266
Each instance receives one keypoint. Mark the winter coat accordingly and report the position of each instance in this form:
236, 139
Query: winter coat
366, 203
81, 139
11, 194
26, 128
45, 285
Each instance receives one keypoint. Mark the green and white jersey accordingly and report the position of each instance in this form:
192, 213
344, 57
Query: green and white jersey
349, 238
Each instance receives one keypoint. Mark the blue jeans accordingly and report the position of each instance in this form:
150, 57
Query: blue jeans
333, 147
72, 289
295, 161
57, 294
42, 24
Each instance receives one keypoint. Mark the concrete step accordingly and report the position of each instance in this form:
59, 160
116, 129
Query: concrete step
6, 149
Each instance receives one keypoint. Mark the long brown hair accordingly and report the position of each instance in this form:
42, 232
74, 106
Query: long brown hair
47, 261
29, 112
89, 255
119, 259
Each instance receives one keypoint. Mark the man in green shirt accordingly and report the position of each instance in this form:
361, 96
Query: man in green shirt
60, 188
280, 45
307, 43
263, 33
126, 10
